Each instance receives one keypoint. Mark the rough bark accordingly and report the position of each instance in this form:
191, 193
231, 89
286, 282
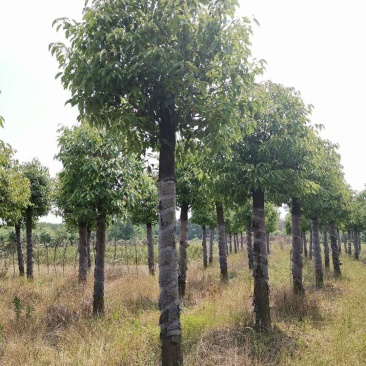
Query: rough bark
230, 243
319, 281
311, 249
150, 249
183, 245
83, 253
305, 246
296, 257
235, 243
88, 245
335, 252
250, 247
28, 230
241, 241
204, 247
19, 250
349, 243
222, 242
170, 327
98, 296
326, 248
260, 264
339, 242
210, 252
356, 244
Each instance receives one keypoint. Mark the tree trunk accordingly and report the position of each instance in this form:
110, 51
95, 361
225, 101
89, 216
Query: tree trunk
339, 242
326, 248
356, 245
267, 243
150, 249
296, 248
250, 247
349, 243
235, 243
304, 244
204, 246
83, 252
335, 252
183, 245
311, 248
317, 254
28, 230
19, 250
170, 327
98, 297
241, 241
222, 242
260, 264
210, 253
88, 245
344, 238
231, 243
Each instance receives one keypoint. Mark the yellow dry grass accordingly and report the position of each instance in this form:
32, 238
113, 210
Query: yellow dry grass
55, 324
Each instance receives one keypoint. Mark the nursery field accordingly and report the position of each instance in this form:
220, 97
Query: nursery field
48, 320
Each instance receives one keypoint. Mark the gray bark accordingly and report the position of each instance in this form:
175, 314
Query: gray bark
250, 247
28, 229
344, 238
150, 249
230, 243
311, 249
204, 247
88, 245
19, 250
260, 264
356, 244
83, 253
296, 249
222, 242
210, 253
98, 296
326, 248
349, 243
339, 242
317, 254
335, 252
235, 243
183, 245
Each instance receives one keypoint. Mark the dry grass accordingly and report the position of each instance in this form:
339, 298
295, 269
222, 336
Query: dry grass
55, 325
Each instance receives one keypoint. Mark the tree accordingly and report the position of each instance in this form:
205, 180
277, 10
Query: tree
144, 211
93, 187
39, 203
146, 69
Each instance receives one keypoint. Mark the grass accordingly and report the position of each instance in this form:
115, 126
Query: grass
53, 323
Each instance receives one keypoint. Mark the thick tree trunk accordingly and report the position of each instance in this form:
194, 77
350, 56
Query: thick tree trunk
296, 248
210, 252
170, 327
339, 242
250, 247
335, 252
317, 253
222, 242
356, 245
98, 297
88, 245
183, 245
326, 248
311, 249
303, 235
204, 246
260, 264
19, 250
150, 249
28, 230
83, 252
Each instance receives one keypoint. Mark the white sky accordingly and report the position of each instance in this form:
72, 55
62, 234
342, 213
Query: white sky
316, 46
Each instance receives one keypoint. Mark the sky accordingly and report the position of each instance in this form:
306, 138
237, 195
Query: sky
314, 46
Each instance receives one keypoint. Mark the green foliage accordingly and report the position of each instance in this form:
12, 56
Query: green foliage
95, 177
40, 187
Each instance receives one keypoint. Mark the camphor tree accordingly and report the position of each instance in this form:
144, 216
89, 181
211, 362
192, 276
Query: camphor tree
93, 186
39, 202
14, 195
144, 211
146, 68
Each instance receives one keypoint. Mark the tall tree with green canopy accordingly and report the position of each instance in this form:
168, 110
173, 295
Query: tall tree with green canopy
147, 68
93, 186
144, 211
14, 195
39, 202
